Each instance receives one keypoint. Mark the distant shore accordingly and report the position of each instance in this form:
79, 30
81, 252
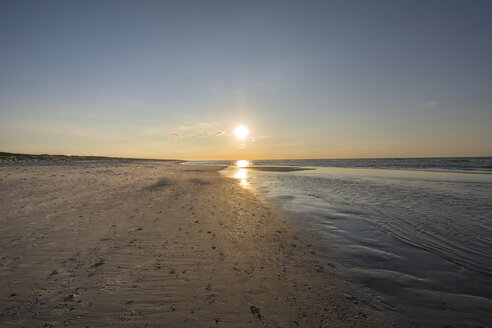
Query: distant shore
6, 157
153, 243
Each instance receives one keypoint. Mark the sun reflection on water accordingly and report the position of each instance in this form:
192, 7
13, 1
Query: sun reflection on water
241, 173
242, 163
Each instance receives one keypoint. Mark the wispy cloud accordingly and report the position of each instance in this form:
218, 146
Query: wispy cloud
175, 135
204, 125
202, 134
259, 138
210, 134
196, 129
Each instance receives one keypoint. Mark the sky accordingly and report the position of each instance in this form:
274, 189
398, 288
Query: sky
310, 79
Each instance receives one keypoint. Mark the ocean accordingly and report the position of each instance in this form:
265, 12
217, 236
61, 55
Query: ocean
413, 234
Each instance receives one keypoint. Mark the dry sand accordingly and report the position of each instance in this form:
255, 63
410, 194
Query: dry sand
157, 244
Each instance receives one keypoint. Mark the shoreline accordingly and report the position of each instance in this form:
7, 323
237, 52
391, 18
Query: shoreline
146, 243
423, 286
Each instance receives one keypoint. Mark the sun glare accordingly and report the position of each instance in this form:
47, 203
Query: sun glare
241, 132
242, 175
242, 163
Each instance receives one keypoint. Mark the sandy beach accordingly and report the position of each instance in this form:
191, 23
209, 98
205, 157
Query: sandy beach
158, 244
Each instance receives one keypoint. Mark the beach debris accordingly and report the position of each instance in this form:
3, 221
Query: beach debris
352, 299
363, 241
172, 271
98, 263
331, 265
211, 298
69, 298
256, 312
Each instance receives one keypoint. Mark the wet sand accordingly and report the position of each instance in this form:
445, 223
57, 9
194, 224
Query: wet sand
158, 244
278, 168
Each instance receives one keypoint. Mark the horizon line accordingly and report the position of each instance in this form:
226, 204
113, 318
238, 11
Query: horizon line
2, 153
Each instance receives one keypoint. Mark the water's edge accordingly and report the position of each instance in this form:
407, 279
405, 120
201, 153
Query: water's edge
407, 278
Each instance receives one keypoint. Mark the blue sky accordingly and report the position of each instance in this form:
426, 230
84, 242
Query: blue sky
309, 78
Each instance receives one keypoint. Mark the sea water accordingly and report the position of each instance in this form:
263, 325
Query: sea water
416, 234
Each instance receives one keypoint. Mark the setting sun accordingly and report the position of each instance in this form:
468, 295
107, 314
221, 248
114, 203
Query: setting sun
241, 132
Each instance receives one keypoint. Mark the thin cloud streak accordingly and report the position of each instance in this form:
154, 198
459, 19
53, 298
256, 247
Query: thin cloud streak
196, 130
175, 136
